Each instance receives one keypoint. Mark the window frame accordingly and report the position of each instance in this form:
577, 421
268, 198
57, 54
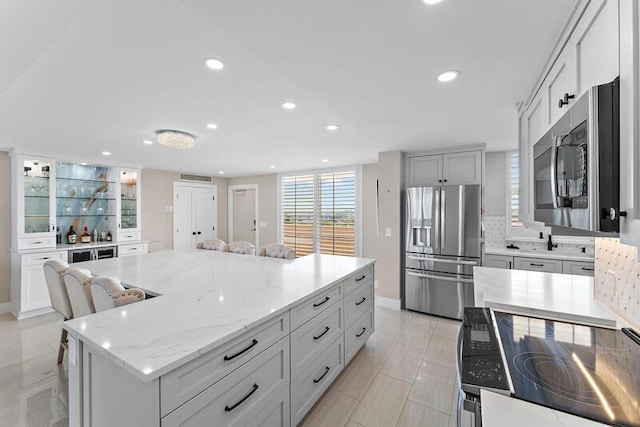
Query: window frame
316, 172
511, 229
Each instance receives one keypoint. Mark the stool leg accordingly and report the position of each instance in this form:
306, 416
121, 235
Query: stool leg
63, 345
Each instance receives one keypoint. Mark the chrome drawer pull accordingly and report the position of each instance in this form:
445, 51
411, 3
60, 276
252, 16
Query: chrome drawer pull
360, 302
360, 278
253, 344
248, 395
320, 303
326, 329
361, 333
37, 243
326, 371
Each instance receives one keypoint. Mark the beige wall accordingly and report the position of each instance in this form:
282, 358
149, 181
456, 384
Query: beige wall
267, 204
5, 226
369, 209
388, 267
157, 192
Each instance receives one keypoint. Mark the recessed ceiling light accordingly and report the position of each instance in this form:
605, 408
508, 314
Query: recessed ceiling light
272, 167
147, 142
214, 64
325, 160
448, 76
221, 172
106, 153
332, 127
431, 2
84, 163
288, 105
212, 126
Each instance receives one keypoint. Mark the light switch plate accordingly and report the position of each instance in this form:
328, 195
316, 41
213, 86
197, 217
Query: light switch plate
72, 351
387, 231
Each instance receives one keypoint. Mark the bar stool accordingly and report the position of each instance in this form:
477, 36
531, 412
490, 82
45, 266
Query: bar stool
53, 271
278, 251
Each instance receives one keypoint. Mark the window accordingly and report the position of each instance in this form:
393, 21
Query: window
514, 189
318, 212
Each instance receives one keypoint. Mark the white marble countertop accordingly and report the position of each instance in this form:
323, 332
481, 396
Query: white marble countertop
504, 411
555, 296
555, 254
207, 298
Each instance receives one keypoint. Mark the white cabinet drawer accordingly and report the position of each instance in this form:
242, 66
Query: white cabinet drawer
311, 307
538, 264
309, 386
312, 338
352, 282
498, 261
358, 302
36, 243
128, 236
240, 397
42, 257
580, 268
132, 249
181, 384
357, 334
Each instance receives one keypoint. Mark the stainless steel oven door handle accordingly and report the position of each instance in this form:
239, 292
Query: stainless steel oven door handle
554, 159
446, 261
446, 278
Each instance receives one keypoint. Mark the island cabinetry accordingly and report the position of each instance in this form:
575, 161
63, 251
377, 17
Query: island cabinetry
245, 397
307, 310
357, 334
184, 383
358, 302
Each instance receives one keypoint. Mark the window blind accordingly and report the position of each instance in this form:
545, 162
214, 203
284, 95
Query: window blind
318, 213
514, 191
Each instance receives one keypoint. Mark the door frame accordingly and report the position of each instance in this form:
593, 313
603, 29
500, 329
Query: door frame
230, 207
181, 184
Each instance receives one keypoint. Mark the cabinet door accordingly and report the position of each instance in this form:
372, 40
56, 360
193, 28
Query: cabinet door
35, 294
462, 168
537, 118
558, 84
184, 236
206, 207
128, 204
498, 261
425, 171
525, 184
35, 191
595, 45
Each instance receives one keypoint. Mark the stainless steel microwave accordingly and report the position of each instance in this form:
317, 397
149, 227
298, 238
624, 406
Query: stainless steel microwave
577, 165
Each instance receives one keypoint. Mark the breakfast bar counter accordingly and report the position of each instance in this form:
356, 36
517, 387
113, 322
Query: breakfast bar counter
216, 314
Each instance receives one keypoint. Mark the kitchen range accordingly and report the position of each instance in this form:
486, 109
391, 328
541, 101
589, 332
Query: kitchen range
443, 244
587, 371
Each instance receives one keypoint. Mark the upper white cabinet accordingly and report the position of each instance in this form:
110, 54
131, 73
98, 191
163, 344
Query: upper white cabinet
128, 204
34, 200
559, 88
461, 168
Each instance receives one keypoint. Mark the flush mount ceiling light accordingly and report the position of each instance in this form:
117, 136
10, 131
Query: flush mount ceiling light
147, 142
332, 127
212, 126
447, 76
176, 139
214, 64
288, 105
431, 2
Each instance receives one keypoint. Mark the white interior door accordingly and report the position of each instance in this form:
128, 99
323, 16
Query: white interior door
244, 215
206, 203
183, 218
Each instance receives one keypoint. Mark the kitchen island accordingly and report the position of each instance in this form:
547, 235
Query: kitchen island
229, 340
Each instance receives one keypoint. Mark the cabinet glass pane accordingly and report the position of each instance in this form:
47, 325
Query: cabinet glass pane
36, 196
128, 200
85, 197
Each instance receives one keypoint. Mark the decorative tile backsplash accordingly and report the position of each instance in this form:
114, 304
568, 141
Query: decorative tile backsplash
617, 278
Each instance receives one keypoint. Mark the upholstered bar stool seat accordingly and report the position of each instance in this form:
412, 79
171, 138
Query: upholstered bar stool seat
242, 247
215, 245
108, 292
278, 251
53, 271
78, 284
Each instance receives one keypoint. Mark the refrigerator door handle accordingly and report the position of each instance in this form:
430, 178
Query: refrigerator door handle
443, 220
447, 261
437, 219
446, 278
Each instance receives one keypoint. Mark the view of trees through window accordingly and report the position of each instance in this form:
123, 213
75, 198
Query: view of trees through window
318, 213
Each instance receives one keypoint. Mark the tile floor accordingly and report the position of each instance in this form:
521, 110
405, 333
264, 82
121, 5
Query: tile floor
404, 376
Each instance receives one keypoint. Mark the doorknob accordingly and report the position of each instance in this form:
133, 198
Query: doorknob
193, 233
199, 232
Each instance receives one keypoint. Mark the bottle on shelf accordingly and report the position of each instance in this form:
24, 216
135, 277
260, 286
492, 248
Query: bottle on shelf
71, 236
58, 236
95, 235
109, 237
86, 237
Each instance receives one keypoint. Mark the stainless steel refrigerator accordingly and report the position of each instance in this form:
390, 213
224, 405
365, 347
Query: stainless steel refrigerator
443, 242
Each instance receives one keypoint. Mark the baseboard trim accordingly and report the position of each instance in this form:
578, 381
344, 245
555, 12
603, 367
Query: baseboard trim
5, 307
391, 303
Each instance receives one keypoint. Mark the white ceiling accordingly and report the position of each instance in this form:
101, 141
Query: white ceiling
78, 77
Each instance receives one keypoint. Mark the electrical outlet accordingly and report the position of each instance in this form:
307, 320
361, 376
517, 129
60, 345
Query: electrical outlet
168, 208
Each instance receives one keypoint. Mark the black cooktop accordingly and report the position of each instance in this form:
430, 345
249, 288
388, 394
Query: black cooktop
588, 371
